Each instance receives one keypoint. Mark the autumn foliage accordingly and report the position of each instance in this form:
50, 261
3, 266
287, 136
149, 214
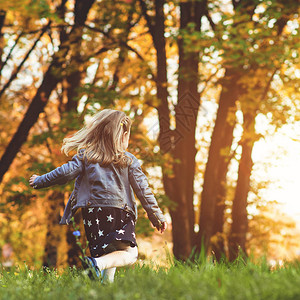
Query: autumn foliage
194, 76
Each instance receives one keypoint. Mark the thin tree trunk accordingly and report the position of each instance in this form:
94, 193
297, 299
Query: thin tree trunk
214, 187
2, 19
157, 31
245, 8
3, 63
239, 227
218, 244
76, 64
213, 194
123, 49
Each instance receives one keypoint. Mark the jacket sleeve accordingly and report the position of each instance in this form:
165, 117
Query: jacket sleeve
139, 183
60, 175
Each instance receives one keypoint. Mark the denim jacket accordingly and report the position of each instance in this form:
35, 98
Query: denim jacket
109, 186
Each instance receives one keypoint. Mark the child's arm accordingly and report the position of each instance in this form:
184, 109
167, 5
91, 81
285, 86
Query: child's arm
139, 183
60, 175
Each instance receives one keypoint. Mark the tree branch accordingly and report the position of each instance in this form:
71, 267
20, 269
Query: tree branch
267, 87
208, 81
211, 22
15, 73
121, 43
10, 51
147, 17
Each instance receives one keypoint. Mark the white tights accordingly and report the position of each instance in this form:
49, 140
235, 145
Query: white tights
124, 256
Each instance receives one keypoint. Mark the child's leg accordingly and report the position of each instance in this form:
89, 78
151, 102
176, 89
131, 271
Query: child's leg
127, 256
108, 274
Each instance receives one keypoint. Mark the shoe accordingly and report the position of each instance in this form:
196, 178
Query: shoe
90, 264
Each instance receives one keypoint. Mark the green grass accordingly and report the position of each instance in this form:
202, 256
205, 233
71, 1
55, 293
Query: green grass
181, 281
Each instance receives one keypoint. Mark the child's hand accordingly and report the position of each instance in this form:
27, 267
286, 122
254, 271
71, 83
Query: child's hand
32, 178
163, 227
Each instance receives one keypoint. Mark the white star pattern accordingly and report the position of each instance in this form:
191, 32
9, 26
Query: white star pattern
97, 221
104, 246
118, 239
89, 223
132, 222
100, 232
109, 218
122, 221
121, 231
91, 235
127, 215
83, 221
133, 234
99, 209
91, 210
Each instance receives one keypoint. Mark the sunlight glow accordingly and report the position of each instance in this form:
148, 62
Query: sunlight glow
277, 158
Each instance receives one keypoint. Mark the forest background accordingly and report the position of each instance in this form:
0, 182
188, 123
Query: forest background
204, 82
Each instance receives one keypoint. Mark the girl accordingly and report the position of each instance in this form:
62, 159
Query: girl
106, 176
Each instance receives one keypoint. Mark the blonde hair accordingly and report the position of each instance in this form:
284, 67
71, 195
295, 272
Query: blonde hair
100, 140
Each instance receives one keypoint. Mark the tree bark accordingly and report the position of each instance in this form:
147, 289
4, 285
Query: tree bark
2, 19
76, 64
214, 186
180, 142
239, 227
186, 110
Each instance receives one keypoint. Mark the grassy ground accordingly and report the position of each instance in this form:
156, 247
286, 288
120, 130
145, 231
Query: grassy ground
180, 281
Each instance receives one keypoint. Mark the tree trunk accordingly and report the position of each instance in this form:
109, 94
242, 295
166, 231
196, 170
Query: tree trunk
41, 97
2, 19
239, 227
54, 232
214, 186
76, 64
187, 107
180, 142
179, 215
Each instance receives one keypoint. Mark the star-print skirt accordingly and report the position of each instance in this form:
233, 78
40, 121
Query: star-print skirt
104, 225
